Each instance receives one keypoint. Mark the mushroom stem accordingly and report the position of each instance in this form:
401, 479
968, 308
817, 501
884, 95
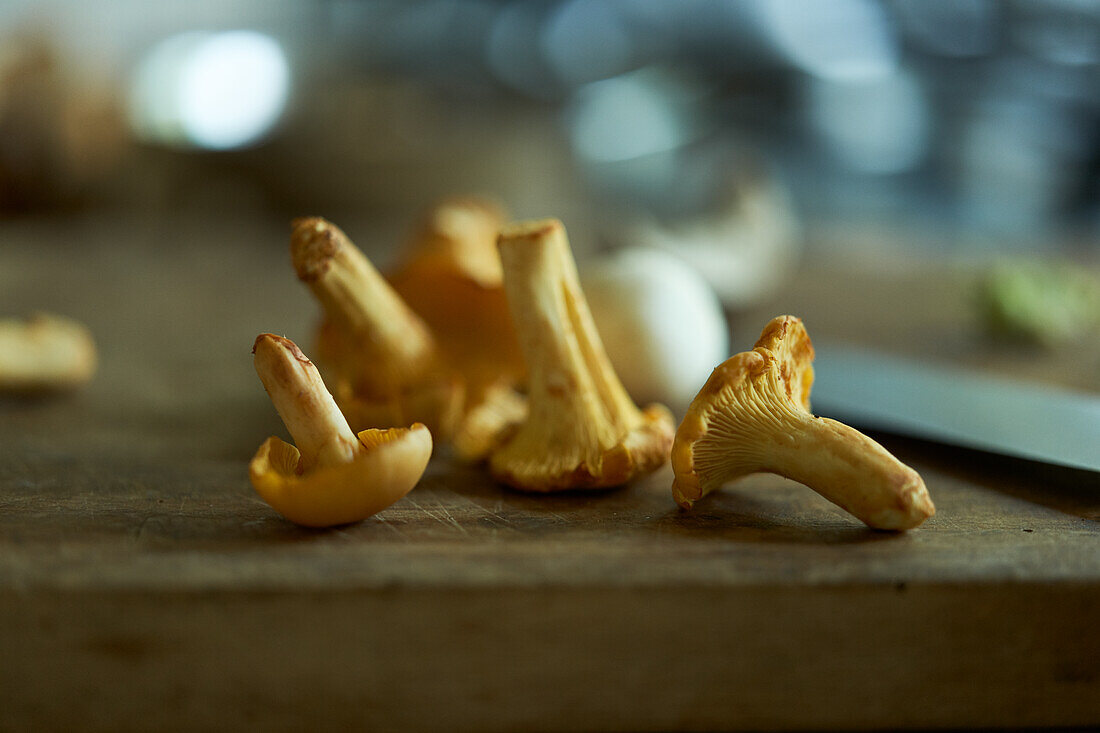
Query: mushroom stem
355, 296
320, 432
854, 472
560, 343
579, 412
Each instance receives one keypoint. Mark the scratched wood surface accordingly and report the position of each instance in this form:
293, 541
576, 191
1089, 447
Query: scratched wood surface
132, 548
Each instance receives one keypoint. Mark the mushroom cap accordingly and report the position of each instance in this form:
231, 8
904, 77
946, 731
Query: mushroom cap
786, 337
388, 467
642, 450
772, 380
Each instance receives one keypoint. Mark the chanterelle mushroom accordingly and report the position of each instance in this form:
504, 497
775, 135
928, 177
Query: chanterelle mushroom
333, 476
453, 279
753, 415
582, 429
380, 356
45, 353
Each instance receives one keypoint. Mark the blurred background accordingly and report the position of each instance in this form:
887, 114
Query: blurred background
966, 118
951, 130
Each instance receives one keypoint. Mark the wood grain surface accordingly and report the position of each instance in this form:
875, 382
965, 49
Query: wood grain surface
144, 585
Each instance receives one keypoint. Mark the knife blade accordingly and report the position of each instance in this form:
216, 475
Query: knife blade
956, 406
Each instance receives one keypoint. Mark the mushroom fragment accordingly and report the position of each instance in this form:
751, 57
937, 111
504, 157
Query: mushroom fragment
332, 476
487, 424
752, 415
582, 430
45, 353
381, 357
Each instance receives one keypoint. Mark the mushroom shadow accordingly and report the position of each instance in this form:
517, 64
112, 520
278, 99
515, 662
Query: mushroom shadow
758, 509
741, 518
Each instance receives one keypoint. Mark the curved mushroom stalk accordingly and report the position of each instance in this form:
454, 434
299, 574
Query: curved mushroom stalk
582, 430
753, 415
333, 476
381, 357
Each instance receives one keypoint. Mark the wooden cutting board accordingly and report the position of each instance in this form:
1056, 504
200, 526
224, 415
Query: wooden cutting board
144, 586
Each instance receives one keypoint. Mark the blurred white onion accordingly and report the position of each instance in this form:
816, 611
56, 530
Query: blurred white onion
662, 325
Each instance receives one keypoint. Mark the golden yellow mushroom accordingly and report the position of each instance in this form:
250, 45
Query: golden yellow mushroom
332, 476
752, 415
582, 430
451, 276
